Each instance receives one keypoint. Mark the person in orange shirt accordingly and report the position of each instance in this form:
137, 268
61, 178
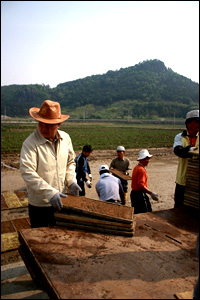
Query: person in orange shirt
139, 185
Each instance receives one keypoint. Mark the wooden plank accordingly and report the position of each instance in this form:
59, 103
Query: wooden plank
191, 196
12, 200
7, 227
36, 270
97, 208
191, 203
94, 228
192, 184
24, 202
120, 174
21, 194
194, 153
20, 223
9, 241
3, 203
185, 295
93, 221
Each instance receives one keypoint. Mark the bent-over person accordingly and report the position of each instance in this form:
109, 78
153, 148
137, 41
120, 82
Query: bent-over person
109, 187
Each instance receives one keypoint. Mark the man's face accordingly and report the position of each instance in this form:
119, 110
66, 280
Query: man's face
145, 161
120, 154
87, 154
48, 130
193, 127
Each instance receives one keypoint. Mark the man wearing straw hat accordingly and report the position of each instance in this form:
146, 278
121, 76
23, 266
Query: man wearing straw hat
47, 164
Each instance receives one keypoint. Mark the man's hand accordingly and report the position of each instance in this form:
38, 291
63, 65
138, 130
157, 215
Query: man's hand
90, 177
193, 148
154, 196
74, 189
56, 202
88, 183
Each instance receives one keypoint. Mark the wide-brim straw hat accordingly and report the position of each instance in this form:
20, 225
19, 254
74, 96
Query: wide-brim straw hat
49, 113
143, 154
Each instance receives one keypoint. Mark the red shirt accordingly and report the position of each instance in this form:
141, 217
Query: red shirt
192, 140
139, 178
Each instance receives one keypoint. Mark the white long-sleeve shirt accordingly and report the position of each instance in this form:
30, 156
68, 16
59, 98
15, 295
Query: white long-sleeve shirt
108, 187
45, 170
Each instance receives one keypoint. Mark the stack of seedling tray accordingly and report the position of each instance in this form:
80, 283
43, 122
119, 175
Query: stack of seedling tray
191, 197
96, 216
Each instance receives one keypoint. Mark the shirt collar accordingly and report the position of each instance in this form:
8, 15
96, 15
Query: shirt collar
187, 133
104, 175
44, 140
141, 165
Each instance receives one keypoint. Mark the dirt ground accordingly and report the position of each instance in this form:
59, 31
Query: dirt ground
166, 275
161, 173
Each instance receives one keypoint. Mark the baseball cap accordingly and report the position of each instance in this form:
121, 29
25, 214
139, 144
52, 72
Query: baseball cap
193, 114
120, 149
103, 167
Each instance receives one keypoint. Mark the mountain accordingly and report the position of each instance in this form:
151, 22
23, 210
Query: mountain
146, 90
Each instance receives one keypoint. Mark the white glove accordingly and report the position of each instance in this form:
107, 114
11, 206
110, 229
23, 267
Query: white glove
90, 177
56, 201
74, 189
154, 196
193, 148
89, 184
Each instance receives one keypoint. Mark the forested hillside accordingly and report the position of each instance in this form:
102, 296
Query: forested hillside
146, 90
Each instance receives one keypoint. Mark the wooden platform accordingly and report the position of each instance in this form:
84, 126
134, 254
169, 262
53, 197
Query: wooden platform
185, 295
191, 196
96, 216
119, 174
14, 216
11, 199
157, 262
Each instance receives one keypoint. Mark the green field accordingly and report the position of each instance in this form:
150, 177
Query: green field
100, 136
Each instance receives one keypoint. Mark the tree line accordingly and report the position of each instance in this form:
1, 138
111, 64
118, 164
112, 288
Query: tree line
146, 90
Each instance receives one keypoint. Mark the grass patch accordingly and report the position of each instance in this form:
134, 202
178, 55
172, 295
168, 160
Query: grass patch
100, 136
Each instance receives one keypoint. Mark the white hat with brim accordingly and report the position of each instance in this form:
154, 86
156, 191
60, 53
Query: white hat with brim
143, 154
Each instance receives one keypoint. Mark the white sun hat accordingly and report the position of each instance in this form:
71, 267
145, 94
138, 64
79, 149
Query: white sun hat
143, 154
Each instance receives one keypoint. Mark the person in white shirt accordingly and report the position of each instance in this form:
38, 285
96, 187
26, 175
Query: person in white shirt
109, 187
47, 165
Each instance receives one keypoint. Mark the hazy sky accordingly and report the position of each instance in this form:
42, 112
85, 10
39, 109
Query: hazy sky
51, 42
